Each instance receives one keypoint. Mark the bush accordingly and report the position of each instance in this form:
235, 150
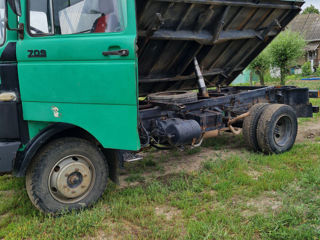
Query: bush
271, 80
260, 66
317, 73
310, 10
294, 77
285, 50
306, 69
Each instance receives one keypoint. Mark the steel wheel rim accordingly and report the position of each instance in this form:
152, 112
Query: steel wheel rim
71, 179
282, 132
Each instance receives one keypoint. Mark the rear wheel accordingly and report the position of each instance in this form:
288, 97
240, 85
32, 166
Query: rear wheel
277, 129
250, 125
67, 174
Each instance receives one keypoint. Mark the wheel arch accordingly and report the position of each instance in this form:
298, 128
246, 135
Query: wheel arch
60, 130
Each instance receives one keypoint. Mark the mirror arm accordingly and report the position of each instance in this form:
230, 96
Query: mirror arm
20, 28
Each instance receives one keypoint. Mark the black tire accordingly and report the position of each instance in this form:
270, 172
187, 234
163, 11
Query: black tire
250, 125
64, 167
277, 129
174, 97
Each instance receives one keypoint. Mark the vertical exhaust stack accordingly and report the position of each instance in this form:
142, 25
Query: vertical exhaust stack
201, 83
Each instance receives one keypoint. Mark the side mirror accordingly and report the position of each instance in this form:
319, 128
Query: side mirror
15, 6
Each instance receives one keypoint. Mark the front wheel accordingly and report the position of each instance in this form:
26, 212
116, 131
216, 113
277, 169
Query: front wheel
67, 174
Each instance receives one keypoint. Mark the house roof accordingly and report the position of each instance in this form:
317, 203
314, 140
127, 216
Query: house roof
308, 25
312, 46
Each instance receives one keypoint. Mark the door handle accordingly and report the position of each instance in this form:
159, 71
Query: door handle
121, 52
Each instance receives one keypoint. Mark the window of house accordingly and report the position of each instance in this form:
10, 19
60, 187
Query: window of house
48, 17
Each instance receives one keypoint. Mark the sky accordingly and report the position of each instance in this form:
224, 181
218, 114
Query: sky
315, 3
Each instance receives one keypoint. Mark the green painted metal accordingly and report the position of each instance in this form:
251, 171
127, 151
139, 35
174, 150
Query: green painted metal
11, 36
36, 127
100, 120
76, 84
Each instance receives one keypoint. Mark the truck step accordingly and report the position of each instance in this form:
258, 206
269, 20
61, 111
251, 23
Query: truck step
131, 157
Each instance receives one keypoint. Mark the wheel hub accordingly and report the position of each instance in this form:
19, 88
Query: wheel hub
282, 131
71, 178
75, 179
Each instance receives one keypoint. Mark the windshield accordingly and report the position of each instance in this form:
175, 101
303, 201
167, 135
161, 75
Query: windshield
2, 21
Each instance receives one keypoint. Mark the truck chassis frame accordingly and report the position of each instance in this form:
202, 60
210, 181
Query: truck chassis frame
225, 104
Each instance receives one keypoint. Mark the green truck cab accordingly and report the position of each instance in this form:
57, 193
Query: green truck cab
84, 81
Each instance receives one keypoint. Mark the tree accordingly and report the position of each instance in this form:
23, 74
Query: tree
285, 50
260, 65
311, 9
306, 69
317, 73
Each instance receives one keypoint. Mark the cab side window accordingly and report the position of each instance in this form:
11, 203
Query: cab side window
48, 17
40, 17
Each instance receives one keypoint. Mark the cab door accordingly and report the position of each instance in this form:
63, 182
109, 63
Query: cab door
77, 65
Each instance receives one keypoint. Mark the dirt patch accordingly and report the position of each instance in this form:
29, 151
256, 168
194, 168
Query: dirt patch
189, 164
309, 131
263, 204
311, 134
7, 194
4, 216
173, 162
117, 231
167, 212
188, 161
101, 235
254, 174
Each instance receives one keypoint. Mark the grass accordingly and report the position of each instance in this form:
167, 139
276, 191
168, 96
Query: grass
295, 80
246, 196
135, 178
235, 194
312, 85
316, 116
291, 80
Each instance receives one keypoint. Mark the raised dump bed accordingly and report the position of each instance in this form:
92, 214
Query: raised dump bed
225, 36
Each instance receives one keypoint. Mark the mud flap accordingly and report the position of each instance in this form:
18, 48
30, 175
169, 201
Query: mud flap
115, 161
8, 152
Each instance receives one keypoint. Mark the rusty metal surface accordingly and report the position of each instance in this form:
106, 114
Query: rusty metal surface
224, 35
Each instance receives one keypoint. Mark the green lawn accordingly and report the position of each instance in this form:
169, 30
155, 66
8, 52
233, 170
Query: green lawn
237, 196
232, 194
313, 85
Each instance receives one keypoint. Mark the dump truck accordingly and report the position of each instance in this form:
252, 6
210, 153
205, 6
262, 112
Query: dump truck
86, 84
